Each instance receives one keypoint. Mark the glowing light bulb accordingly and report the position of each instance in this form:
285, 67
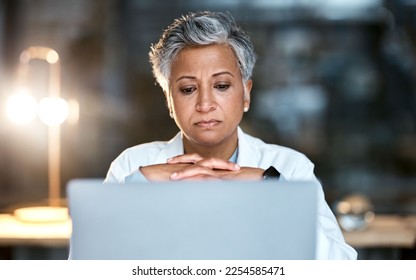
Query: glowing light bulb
52, 57
53, 110
21, 108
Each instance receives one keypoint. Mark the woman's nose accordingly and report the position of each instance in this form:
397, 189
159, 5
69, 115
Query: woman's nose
205, 101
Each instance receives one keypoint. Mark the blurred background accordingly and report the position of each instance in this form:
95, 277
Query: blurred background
334, 79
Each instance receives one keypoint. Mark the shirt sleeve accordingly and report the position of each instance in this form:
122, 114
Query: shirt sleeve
330, 240
135, 177
123, 171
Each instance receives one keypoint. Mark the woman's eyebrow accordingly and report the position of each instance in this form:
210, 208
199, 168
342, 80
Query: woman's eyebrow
223, 73
186, 77
214, 75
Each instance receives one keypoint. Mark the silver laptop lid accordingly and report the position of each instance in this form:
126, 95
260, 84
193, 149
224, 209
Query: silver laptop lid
193, 220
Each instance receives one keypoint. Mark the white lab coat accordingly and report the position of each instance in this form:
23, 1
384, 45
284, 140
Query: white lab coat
252, 152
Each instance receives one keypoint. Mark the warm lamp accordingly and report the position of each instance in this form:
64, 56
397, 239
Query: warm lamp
52, 111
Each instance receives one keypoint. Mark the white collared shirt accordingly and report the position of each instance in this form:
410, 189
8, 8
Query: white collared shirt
252, 152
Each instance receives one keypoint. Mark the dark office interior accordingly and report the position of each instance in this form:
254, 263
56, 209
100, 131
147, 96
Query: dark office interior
335, 80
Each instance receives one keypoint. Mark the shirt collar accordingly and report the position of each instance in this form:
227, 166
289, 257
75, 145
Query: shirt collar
234, 156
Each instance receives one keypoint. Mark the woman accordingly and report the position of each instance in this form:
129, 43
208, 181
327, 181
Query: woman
204, 62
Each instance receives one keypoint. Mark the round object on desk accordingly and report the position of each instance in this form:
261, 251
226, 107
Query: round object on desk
354, 212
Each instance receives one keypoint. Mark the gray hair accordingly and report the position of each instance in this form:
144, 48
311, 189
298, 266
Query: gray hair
201, 29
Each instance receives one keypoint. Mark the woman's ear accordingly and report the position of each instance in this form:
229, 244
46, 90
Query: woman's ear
169, 103
247, 90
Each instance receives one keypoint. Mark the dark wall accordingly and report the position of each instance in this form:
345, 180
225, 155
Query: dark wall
337, 85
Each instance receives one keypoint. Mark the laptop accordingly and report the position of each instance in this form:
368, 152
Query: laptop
206, 220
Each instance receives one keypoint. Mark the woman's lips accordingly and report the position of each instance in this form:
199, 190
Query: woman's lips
207, 123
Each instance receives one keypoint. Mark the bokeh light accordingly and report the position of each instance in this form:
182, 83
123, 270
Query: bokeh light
52, 57
53, 110
21, 108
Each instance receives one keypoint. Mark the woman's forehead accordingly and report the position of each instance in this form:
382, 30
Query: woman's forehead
205, 58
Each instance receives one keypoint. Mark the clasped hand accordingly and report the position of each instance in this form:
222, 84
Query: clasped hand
196, 167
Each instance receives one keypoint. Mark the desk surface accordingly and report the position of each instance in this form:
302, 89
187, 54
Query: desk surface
386, 231
52, 234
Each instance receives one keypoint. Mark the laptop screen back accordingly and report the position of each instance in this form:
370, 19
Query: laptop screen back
193, 220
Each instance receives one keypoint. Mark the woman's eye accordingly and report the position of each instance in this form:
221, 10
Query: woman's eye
188, 90
222, 87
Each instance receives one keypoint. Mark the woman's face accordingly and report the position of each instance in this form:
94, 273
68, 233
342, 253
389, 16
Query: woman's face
206, 95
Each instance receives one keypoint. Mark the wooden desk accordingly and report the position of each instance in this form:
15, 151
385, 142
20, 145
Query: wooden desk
386, 231
16, 233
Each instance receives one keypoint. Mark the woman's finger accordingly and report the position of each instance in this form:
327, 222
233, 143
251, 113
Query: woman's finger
216, 163
206, 167
212, 163
185, 158
192, 171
